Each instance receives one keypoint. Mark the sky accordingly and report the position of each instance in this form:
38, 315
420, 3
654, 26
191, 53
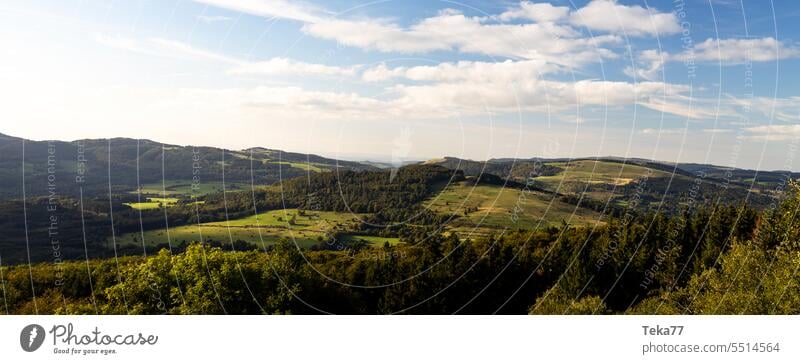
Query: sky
713, 81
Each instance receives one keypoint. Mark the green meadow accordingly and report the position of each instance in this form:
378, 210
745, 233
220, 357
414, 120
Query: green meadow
369, 239
484, 209
184, 187
153, 203
306, 229
578, 175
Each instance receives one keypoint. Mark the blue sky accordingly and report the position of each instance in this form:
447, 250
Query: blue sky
695, 81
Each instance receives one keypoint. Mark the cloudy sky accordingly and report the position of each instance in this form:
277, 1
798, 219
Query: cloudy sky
702, 81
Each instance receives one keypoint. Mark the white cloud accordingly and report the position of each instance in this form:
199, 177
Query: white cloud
774, 132
181, 49
729, 51
650, 65
783, 109
272, 67
550, 36
478, 96
208, 19
684, 109
382, 73
741, 50
463, 87
452, 30
295, 10
718, 131
376, 34
609, 16
284, 66
498, 72
541, 12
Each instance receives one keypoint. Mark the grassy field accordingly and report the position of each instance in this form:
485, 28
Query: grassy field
373, 240
184, 187
577, 175
153, 203
483, 209
268, 227
303, 166
588, 171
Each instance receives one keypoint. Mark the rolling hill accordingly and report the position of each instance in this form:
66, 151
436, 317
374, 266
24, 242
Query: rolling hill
145, 193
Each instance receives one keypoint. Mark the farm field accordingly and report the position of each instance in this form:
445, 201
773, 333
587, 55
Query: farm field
589, 171
153, 203
268, 227
482, 209
184, 187
303, 166
578, 175
373, 240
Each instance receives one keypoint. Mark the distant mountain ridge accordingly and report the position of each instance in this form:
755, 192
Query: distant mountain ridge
120, 165
710, 171
130, 163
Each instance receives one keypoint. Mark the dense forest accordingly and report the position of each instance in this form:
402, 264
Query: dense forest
720, 260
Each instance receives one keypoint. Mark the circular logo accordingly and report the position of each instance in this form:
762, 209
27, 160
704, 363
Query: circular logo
31, 337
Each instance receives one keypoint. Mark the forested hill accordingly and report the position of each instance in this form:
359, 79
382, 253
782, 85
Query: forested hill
131, 163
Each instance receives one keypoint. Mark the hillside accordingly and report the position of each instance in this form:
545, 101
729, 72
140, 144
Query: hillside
133, 163
482, 210
614, 184
160, 195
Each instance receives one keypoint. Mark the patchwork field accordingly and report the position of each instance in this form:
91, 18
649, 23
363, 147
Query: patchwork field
306, 229
578, 175
482, 209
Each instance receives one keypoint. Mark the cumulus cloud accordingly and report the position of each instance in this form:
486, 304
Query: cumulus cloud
729, 51
535, 95
539, 12
547, 32
650, 65
634, 20
452, 30
741, 50
550, 44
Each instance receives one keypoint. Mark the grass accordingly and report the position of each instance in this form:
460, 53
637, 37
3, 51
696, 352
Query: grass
153, 203
303, 166
589, 171
185, 187
577, 175
484, 209
370, 239
268, 227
